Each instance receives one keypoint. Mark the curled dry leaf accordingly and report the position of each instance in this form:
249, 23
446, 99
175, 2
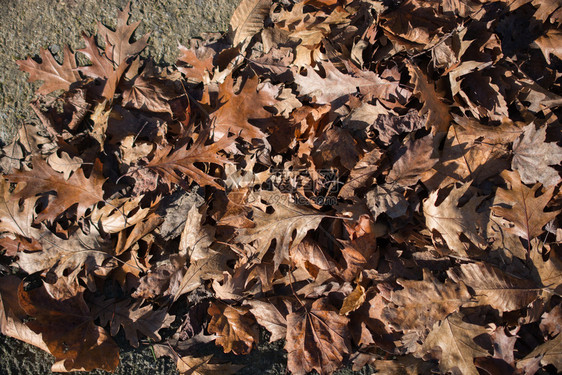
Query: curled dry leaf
236, 330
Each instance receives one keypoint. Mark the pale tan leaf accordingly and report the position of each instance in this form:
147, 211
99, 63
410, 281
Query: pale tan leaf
248, 19
455, 339
496, 288
533, 157
520, 205
451, 221
272, 317
422, 303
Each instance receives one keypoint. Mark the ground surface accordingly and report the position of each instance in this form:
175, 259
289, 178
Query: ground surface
28, 25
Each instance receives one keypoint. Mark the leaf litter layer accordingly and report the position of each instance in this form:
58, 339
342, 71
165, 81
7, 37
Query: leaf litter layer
363, 179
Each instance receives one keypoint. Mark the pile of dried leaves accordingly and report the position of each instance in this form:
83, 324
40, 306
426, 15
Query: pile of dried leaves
364, 179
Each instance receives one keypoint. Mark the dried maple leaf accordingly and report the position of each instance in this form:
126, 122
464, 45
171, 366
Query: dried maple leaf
236, 330
53, 75
422, 303
248, 19
168, 163
451, 221
522, 207
496, 288
532, 157
287, 225
438, 116
76, 190
317, 339
119, 48
455, 338
133, 318
68, 329
237, 110
149, 94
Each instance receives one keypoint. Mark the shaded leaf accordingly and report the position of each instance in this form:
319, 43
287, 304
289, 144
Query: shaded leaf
68, 330
317, 339
438, 117
133, 318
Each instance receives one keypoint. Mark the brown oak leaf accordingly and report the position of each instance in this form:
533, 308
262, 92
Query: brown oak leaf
438, 116
53, 75
119, 48
287, 219
520, 205
235, 328
78, 189
422, 303
451, 221
133, 318
455, 339
237, 110
172, 164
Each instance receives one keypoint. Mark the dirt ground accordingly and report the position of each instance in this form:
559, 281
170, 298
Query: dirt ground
28, 25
